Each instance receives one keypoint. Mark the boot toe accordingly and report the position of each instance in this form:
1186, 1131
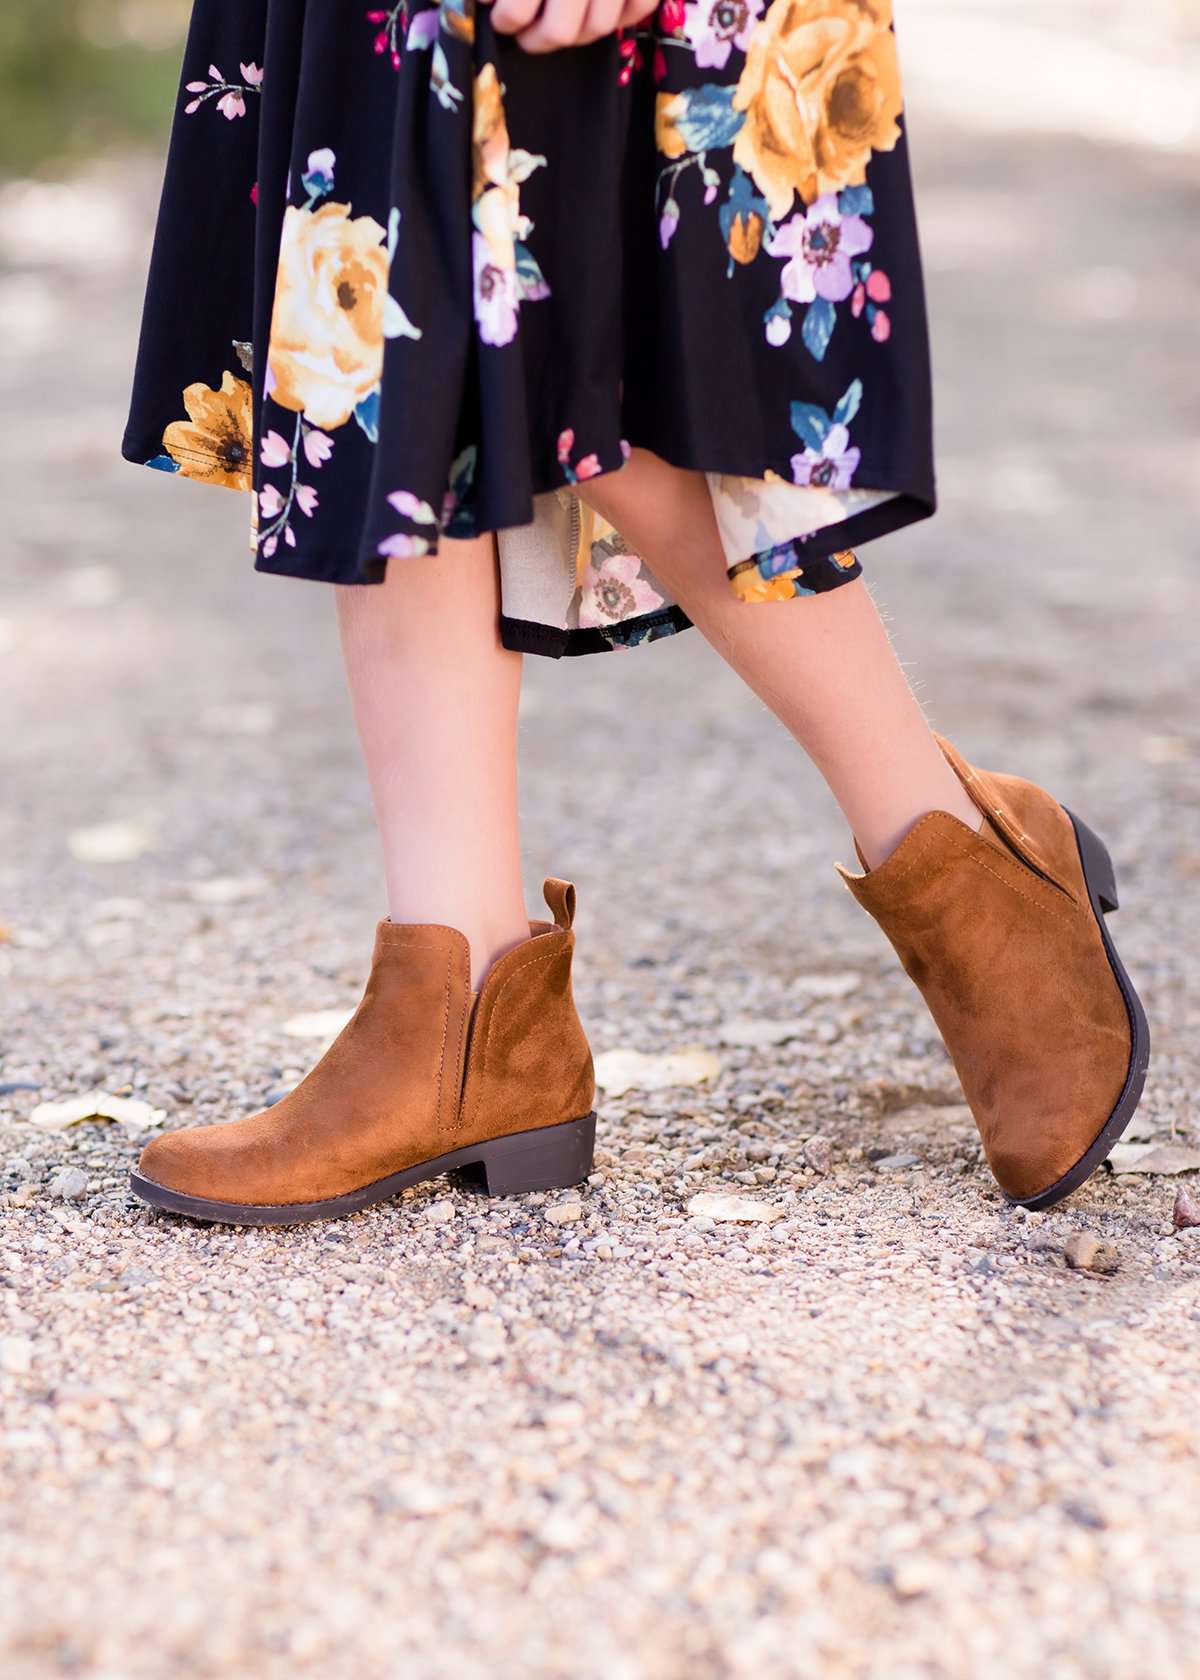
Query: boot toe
184, 1161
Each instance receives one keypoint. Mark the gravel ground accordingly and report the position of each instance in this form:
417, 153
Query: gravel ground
886, 1430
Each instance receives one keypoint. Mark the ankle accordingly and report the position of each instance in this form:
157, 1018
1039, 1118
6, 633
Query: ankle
878, 843
489, 945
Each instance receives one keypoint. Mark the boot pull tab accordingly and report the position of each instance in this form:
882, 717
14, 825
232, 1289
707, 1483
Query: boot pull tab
560, 896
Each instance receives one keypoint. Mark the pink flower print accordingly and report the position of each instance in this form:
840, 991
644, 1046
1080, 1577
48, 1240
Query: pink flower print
496, 296
672, 16
613, 589
881, 327
716, 27
879, 287
276, 450
270, 502
232, 103
317, 448
820, 243
566, 443
306, 499
403, 547
412, 507
833, 467
589, 467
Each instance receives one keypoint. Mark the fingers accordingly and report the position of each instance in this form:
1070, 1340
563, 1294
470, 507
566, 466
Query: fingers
603, 17
543, 26
557, 25
510, 17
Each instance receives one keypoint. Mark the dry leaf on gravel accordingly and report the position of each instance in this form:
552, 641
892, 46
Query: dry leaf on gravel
318, 1023
134, 1115
630, 1070
1158, 1158
752, 1031
730, 1210
112, 842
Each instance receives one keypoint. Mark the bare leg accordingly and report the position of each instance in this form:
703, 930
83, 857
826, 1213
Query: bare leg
435, 699
824, 666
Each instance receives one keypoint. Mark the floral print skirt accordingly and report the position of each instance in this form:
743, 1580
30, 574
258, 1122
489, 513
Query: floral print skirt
411, 282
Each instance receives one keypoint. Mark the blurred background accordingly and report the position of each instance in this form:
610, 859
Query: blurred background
82, 76
891, 1433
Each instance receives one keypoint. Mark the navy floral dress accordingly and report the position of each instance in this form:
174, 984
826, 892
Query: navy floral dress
409, 281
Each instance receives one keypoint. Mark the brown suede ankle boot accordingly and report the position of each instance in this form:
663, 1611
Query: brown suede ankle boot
426, 1076
1010, 950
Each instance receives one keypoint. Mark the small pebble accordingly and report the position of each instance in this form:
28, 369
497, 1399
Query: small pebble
1186, 1212
69, 1184
1086, 1253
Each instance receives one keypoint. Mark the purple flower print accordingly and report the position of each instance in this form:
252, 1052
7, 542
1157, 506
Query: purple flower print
821, 244
497, 296
832, 467
716, 27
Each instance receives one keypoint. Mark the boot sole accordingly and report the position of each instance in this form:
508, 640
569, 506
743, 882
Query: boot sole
1101, 882
547, 1158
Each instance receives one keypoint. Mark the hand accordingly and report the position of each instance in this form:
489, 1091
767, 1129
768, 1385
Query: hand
543, 26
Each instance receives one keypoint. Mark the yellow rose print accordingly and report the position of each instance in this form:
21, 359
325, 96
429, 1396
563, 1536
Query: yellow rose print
820, 91
327, 333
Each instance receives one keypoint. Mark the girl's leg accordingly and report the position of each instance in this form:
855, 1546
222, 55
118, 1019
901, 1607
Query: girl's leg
435, 698
824, 666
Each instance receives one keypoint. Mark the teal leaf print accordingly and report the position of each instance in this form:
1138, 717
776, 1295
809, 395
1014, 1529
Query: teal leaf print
367, 415
531, 282
856, 201
819, 322
848, 407
707, 117
811, 424
458, 519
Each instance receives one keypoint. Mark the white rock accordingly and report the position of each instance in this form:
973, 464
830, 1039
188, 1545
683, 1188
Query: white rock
726, 1209
753, 1031
564, 1213
630, 1070
826, 985
16, 1355
70, 1183
227, 889
111, 842
317, 1023
440, 1213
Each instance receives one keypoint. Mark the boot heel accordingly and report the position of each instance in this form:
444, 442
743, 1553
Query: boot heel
1098, 869
549, 1158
